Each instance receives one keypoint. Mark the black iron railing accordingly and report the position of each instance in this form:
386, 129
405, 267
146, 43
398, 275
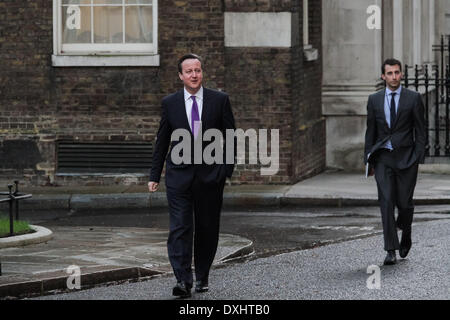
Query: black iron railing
433, 81
13, 198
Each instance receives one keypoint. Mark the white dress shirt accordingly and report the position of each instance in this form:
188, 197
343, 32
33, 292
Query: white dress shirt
188, 103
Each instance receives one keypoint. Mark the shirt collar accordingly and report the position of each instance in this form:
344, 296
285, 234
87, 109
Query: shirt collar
198, 94
398, 91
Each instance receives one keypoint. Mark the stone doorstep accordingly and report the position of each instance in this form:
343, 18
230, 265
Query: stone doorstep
90, 276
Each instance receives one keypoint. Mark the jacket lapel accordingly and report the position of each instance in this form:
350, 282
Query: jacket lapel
181, 105
403, 97
206, 108
380, 103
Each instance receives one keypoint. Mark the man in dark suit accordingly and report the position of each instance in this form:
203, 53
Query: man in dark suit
394, 147
194, 190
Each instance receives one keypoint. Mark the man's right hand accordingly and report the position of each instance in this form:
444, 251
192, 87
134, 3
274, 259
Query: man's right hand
153, 186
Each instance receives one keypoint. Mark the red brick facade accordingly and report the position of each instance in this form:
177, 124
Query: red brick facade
269, 88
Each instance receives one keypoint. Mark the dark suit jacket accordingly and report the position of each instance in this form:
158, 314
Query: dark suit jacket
216, 113
407, 134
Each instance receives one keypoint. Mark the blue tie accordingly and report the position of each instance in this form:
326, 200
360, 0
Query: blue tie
393, 114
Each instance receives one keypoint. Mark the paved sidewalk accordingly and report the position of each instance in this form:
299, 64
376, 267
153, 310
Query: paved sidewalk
103, 255
112, 254
330, 188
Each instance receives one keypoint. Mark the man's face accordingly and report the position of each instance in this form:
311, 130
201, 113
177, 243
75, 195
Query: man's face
392, 75
191, 75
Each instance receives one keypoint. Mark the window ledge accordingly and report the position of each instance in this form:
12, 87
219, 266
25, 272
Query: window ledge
106, 61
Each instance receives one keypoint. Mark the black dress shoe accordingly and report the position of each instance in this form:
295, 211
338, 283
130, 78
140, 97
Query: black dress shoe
390, 258
182, 290
201, 286
405, 244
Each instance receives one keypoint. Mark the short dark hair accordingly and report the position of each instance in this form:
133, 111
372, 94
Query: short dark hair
188, 56
390, 62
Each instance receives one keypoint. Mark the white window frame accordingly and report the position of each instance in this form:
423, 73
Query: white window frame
101, 54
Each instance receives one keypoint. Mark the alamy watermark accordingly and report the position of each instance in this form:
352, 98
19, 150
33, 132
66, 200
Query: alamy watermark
374, 20
74, 279
73, 18
234, 147
374, 281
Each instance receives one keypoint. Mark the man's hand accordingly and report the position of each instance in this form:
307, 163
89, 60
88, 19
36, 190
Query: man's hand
371, 172
153, 186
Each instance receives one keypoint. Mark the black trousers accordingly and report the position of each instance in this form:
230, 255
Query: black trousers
194, 222
395, 189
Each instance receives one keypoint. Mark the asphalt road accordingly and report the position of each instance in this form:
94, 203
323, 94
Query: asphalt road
316, 253
335, 271
272, 230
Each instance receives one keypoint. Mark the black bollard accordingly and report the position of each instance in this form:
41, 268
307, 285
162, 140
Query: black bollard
11, 217
16, 192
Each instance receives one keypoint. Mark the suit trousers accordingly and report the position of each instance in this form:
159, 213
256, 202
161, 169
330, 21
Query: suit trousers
395, 188
194, 221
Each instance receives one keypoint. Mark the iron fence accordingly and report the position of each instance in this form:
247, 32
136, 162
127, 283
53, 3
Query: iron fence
13, 199
433, 81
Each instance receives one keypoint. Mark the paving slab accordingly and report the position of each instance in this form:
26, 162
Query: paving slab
102, 254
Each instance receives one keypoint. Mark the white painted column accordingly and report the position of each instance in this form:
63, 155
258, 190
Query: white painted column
417, 32
398, 29
432, 31
305, 23
425, 31
352, 58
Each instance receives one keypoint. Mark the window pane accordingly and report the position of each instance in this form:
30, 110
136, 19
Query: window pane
108, 25
107, 1
76, 24
139, 25
138, 1
69, 2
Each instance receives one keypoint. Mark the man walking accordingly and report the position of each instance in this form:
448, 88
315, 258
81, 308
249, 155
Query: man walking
394, 147
194, 191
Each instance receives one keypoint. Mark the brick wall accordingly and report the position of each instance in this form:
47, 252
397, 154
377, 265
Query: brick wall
275, 88
40, 104
309, 129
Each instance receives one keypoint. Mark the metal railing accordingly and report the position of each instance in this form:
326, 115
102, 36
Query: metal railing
435, 82
13, 199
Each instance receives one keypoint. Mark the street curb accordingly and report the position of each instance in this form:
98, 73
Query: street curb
246, 199
40, 235
106, 201
40, 287
47, 202
158, 200
327, 201
239, 253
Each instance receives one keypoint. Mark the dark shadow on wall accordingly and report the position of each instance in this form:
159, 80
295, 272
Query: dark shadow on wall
19, 154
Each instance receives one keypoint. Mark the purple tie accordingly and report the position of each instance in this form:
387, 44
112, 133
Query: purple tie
194, 117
